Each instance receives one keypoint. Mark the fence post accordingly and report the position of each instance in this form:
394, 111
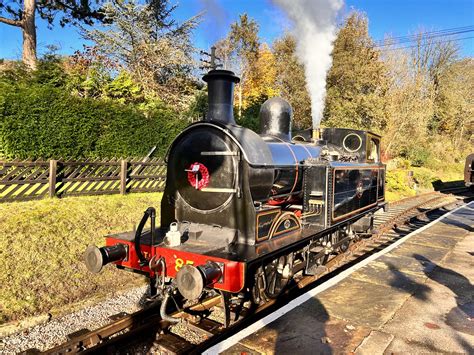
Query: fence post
53, 166
123, 176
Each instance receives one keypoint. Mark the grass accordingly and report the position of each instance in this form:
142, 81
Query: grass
400, 185
41, 249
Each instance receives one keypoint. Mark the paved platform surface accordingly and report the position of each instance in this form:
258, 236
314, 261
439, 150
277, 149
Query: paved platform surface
416, 299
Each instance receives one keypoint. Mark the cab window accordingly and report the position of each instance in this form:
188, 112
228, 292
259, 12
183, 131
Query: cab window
373, 149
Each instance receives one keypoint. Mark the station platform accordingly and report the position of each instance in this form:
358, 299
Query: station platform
416, 298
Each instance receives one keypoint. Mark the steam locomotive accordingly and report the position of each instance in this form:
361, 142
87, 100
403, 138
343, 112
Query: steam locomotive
243, 213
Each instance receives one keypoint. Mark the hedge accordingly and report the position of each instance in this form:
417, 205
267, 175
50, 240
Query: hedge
41, 121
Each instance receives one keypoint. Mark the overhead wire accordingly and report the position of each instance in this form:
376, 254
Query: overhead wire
421, 36
427, 44
396, 43
437, 33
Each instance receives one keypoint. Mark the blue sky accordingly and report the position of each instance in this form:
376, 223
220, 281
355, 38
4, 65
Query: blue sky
395, 17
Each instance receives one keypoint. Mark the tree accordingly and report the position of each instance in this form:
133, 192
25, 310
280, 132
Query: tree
409, 105
427, 99
21, 14
258, 87
245, 41
454, 105
240, 51
357, 81
145, 41
290, 80
261, 84
431, 60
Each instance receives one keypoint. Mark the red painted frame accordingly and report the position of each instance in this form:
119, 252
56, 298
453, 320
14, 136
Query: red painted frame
233, 279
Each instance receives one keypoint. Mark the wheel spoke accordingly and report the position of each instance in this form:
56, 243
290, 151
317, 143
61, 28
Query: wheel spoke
275, 280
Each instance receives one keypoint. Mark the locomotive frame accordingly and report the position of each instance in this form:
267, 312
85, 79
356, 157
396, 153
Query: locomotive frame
243, 213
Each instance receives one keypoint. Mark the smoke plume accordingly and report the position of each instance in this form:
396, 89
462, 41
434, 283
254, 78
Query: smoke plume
216, 20
315, 32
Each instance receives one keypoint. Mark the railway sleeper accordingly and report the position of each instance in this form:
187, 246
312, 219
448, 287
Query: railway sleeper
206, 326
169, 343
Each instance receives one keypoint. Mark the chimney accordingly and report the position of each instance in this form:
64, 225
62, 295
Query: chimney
220, 95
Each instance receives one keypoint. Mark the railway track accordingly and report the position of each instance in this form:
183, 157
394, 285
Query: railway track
129, 332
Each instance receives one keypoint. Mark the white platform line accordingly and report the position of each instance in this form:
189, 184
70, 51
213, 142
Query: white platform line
225, 344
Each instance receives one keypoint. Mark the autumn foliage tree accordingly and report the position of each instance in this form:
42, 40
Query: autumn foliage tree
430, 100
420, 97
455, 101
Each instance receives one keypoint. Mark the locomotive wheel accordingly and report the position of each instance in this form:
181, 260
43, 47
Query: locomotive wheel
271, 279
277, 276
344, 246
340, 236
258, 288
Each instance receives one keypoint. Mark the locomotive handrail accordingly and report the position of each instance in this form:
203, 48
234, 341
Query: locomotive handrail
149, 213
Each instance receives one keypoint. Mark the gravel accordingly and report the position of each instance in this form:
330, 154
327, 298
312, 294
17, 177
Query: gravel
54, 332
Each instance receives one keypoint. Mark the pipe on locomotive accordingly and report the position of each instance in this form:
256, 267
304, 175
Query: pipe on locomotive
316, 134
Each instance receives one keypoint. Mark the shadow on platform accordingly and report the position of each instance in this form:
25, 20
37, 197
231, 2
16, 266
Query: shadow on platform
301, 331
403, 282
459, 317
457, 223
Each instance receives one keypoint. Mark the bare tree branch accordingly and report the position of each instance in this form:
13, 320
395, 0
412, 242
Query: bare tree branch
10, 21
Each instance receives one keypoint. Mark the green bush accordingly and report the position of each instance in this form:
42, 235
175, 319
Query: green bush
250, 122
43, 121
250, 116
425, 177
397, 180
398, 185
417, 155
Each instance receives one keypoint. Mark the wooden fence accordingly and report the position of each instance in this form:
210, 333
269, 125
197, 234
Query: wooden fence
27, 180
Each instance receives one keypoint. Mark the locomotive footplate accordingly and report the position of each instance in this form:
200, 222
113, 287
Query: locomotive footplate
145, 237
166, 261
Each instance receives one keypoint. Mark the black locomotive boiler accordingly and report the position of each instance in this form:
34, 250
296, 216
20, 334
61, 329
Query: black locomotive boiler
244, 213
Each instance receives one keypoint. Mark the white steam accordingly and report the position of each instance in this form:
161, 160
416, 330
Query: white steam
315, 32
